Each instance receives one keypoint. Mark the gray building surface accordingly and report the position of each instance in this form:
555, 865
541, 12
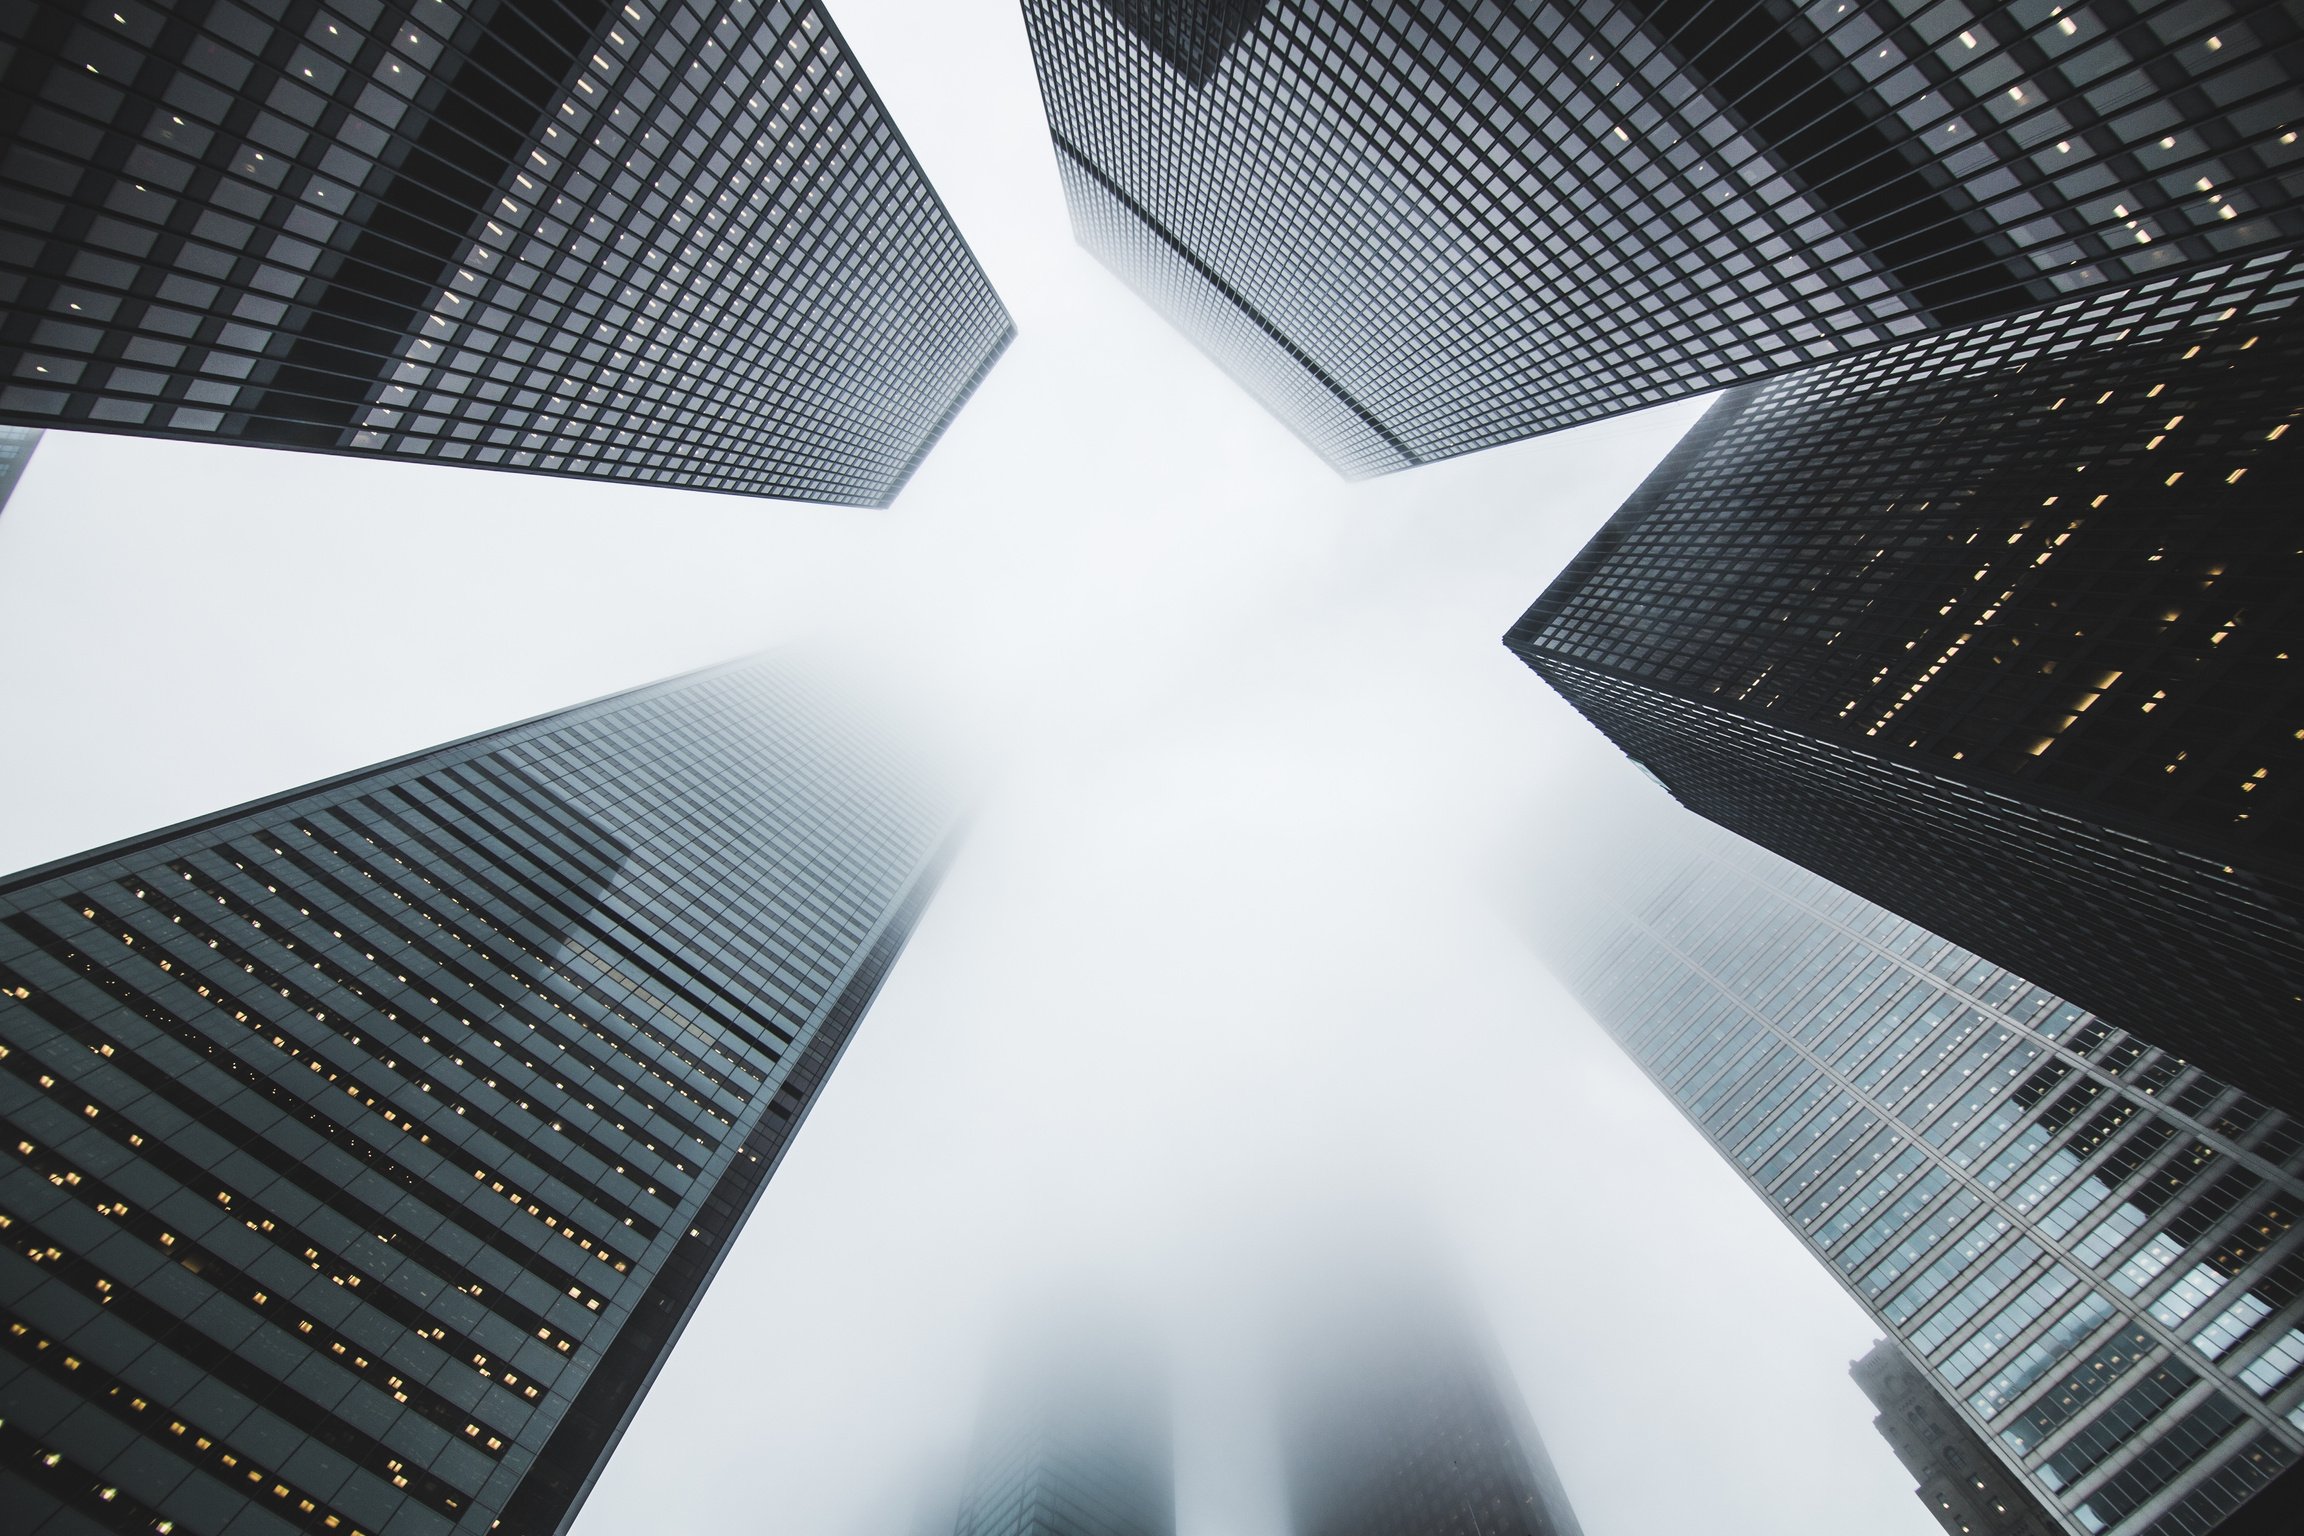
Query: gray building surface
16, 445
368, 1147
1416, 228
678, 242
1961, 1482
1075, 1441
2088, 1242
1398, 1417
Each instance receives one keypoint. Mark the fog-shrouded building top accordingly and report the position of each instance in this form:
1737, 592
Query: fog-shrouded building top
677, 242
368, 1147
1398, 1417
2003, 629
1419, 229
1961, 1482
2088, 1243
16, 445
1076, 1439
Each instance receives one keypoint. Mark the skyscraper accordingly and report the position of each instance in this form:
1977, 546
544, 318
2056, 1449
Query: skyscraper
670, 241
2088, 1243
1075, 1442
1961, 1482
1415, 230
1397, 1418
1999, 628
369, 1146
16, 445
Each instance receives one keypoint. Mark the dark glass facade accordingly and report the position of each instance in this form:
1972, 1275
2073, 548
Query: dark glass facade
1397, 1418
671, 241
2002, 629
369, 1147
16, 445
2088, 1244
1076, 1441
1415, 228
1961, 1482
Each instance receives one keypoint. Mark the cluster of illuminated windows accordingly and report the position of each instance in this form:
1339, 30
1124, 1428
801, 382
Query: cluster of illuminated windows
2089, 1244
678, 242
1419, 231
2028, 584
393, 1124
2051, 546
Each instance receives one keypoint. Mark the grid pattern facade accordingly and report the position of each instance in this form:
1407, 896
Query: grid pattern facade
1403, 1423
16, 445
1961, 1482
1415, 228
1999, 628
367, 1148
672, 241
1086, 1454
2088, 1244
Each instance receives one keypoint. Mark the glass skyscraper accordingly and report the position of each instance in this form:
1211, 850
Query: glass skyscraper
1397, 1418
670, 241
16, 445
2087, 1243
1419, 229
2001, 629
1961, 1482
1076, 1441
369, 1146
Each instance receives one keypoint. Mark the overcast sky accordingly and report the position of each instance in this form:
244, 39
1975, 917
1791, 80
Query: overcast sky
1213, 954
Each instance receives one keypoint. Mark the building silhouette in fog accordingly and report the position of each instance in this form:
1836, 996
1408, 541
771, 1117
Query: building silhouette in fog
16, 445
1398, 1418
1418, 230
369, 1146
2088, 1243
2004, 630
667, 241
1963, 1484
1075, 1441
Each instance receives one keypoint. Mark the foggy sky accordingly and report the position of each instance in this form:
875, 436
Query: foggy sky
1215, 949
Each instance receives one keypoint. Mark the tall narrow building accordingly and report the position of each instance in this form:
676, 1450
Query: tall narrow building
1416, 230
677, 242
1398, 1418
1076, 1441
1961, 1482
16, 445
2088, 1243
2004, 630
368, 1147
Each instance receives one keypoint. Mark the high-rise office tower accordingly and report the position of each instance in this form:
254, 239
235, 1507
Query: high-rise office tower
1963, 1484
1418, 229
16, 445
1397, 1418
2088, 1243
1076, 1441
368, 1147
665, 241
2004, 630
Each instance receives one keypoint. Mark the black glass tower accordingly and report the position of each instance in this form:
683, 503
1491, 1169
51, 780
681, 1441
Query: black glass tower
668, 241
367, 1148
2002, 629
1415, 230
1397, 1418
